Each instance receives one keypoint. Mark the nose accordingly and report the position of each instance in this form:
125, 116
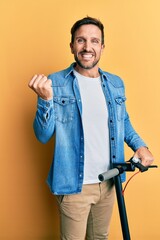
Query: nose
87, 46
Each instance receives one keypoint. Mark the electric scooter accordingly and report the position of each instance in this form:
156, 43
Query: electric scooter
115, 173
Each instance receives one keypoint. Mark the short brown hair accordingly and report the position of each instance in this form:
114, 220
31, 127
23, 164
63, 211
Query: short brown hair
87, 20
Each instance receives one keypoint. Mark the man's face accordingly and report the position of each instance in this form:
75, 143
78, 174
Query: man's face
87, 46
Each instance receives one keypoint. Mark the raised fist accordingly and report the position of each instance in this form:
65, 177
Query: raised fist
42, 86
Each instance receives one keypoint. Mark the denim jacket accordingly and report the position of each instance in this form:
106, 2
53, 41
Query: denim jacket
62, 116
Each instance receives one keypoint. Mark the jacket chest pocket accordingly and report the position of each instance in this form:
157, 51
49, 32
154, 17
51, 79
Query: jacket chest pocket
64, 108
120, 105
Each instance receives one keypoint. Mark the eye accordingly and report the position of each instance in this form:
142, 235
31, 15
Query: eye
80, 40
95, 41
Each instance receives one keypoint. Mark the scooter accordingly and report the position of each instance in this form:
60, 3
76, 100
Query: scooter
115, 173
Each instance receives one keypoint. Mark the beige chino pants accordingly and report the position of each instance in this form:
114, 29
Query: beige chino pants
87, 215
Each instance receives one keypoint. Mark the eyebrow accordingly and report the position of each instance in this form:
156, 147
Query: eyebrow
85, 38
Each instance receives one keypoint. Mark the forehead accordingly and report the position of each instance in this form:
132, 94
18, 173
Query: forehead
88, 30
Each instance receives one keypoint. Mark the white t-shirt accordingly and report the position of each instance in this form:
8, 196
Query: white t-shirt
95, 126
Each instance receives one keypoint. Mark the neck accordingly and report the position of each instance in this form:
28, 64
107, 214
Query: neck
93, 73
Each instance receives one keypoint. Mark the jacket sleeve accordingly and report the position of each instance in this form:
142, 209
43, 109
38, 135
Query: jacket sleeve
133, 140
44, 122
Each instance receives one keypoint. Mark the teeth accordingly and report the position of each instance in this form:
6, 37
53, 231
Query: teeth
87, 55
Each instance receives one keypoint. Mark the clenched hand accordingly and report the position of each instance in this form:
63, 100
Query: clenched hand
145, 156
42, 86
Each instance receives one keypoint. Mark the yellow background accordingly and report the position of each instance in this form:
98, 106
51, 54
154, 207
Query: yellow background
35, 36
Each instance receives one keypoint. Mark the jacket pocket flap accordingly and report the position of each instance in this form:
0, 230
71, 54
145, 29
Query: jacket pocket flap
64, 100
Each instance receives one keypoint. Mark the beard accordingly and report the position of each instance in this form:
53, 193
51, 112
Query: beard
86, 66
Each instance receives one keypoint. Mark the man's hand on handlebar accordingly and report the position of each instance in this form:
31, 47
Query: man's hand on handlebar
144, 155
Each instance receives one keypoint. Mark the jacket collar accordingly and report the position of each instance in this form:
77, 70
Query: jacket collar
69, 71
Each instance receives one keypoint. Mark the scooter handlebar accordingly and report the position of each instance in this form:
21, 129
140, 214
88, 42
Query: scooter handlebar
120, 168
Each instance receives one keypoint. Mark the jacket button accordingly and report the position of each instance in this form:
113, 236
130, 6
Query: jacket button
114, 156
112, 138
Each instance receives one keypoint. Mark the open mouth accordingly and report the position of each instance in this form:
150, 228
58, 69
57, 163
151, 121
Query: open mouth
87, 56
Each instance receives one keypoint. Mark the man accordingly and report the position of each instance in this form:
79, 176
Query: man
85, 108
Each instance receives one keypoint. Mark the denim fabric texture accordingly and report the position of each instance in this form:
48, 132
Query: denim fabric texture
62, 116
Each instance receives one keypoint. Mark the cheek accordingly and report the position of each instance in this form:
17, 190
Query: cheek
99, 52
75, 51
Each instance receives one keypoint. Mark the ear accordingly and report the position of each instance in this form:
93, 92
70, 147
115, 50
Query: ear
103, 47
71, 47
